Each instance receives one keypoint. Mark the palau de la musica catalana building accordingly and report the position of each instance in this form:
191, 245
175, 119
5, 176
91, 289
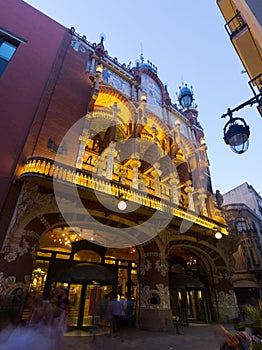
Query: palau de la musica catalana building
105, 184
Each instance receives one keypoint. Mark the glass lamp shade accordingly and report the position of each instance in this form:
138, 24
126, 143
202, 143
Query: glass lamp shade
218, 235
185, 97
186, 101
122, 205
237, 135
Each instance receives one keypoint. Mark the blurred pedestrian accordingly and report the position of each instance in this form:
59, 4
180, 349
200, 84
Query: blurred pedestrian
234, 341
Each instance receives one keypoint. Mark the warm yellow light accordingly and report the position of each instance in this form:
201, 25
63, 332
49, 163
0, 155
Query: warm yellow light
218, 235
202, 141
99, 68
143, 97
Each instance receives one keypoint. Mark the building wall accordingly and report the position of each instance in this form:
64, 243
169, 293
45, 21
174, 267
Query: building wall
244, 193
19, 98
243, 23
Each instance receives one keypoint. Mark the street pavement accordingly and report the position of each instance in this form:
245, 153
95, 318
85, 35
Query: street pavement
192, 337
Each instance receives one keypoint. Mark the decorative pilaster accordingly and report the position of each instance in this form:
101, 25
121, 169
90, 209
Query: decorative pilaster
225, 295
155, 312
156, 173
202, 197
83, 139
110, 153
189, 190
177, 131
174, 190
135, 164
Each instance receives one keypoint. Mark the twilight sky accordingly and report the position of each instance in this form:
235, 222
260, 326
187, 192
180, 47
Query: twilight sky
188, 43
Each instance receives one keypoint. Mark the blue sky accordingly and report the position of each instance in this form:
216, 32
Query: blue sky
188, 43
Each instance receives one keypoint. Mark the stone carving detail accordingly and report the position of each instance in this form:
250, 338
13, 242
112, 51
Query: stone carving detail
15, 250
12, 292
226, 299
221, 275
29, 200
144, 268
155, 298
162, 268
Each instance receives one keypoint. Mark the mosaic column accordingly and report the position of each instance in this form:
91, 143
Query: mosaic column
156, 173
16, 264
110, 153
174, 190
189, 190
154, 300
135, 164
83, 139
202, 197
224, 297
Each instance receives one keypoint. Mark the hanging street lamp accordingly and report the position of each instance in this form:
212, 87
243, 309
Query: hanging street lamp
236, 131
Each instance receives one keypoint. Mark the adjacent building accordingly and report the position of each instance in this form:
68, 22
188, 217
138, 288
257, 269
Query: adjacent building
105, 183
243, 211
244, 27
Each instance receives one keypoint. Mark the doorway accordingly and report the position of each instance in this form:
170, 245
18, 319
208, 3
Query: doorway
88, 305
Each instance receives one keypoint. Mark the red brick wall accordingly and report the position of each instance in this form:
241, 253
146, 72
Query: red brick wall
24, 80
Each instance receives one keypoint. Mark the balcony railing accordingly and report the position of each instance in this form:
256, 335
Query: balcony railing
48, 169
235, 25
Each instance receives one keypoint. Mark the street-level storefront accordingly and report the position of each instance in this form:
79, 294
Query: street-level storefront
92, 279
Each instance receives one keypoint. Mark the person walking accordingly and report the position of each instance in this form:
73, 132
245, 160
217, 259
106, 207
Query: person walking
234, 341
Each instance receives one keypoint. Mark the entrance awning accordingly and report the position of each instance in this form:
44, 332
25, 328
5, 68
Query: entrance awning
89, 273
245, 284
185, 281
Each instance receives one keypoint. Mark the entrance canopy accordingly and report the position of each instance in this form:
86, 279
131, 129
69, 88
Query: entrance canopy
89, 273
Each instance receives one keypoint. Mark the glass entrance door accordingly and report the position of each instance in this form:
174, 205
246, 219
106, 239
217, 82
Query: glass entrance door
88, 304
189, 305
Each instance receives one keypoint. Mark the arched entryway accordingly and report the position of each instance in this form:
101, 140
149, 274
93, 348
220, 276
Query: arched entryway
92, 273
188, 288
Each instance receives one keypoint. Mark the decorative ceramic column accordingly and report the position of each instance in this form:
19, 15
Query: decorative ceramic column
174, 190
135, 164
177, 130
100, 165
202, 197
93, 61
83, 139
156, 173
189, 190
110, 153
123, 172
154, 299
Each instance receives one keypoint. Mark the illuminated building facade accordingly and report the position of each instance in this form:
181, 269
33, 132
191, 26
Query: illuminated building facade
106, 186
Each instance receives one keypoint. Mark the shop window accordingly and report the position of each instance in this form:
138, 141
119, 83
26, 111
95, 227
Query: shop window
8, 45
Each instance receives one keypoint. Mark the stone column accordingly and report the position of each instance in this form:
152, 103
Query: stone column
154, 299
177, 131
135, 164
189, 190
202, 197
156, 173
174, 191
83, 139
110, 153
225, 297
15, 272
